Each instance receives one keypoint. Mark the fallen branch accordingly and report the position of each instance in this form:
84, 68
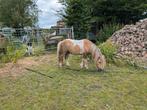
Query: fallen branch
35, 71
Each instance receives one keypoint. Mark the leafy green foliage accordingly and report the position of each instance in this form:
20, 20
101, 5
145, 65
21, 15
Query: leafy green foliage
76, 16
94, 14
13, 54
109, 50
18, 13
107, 31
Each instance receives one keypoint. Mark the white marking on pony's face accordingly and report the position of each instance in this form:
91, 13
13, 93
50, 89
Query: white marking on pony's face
101, 63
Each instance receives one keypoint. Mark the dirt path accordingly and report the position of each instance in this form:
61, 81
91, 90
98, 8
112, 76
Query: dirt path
11, 69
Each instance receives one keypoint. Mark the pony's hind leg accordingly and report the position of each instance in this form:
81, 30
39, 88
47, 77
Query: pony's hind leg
82, 63
66, 58
60, 61
86, 64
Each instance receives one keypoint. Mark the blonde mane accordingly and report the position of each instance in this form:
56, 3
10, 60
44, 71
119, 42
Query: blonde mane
96, 53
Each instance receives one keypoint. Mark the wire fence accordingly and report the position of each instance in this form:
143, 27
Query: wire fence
24, 35
37, 33
37, 36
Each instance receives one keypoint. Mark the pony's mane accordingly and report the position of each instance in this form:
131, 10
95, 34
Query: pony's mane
96, 53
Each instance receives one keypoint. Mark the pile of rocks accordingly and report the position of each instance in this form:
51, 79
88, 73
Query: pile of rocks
132, 39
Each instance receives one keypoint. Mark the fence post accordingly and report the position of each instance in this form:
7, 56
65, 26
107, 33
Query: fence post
72, 28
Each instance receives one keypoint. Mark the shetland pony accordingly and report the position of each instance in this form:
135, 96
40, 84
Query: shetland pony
80, 47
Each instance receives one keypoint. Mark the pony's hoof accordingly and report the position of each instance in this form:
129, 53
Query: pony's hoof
67, 64
99, 70
60, 65
87, 67
81, 65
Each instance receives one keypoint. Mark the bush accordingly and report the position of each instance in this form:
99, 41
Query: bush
109, 50
13, 54
107, 31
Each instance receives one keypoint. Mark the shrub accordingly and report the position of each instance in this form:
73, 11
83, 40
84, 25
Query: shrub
107, 31
109, 50
13, 54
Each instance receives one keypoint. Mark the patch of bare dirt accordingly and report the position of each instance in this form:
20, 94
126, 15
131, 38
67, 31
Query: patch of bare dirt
11, 69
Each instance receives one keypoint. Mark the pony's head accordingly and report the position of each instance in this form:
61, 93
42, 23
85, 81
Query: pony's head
99, 58
100, 63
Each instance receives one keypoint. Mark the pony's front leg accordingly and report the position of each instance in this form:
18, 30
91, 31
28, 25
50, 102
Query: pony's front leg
82, 63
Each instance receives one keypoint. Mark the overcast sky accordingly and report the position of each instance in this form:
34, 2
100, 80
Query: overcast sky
48, 17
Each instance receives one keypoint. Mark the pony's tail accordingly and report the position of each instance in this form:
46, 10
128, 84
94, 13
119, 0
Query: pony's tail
59, 51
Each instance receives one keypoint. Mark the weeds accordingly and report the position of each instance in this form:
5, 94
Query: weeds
107, 31
13, 54
109, 50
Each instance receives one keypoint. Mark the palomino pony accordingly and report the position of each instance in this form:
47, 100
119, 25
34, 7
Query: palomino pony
80, 47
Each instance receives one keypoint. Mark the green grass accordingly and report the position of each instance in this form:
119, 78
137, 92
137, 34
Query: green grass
118, 88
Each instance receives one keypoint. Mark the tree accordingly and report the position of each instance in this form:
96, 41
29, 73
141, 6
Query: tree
96, 13
75, 15
120, 11
18, 13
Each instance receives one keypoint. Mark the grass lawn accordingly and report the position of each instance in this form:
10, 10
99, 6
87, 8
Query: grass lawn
118, 88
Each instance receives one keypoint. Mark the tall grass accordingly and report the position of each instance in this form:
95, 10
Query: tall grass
13, 53
107, 31
109, 50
